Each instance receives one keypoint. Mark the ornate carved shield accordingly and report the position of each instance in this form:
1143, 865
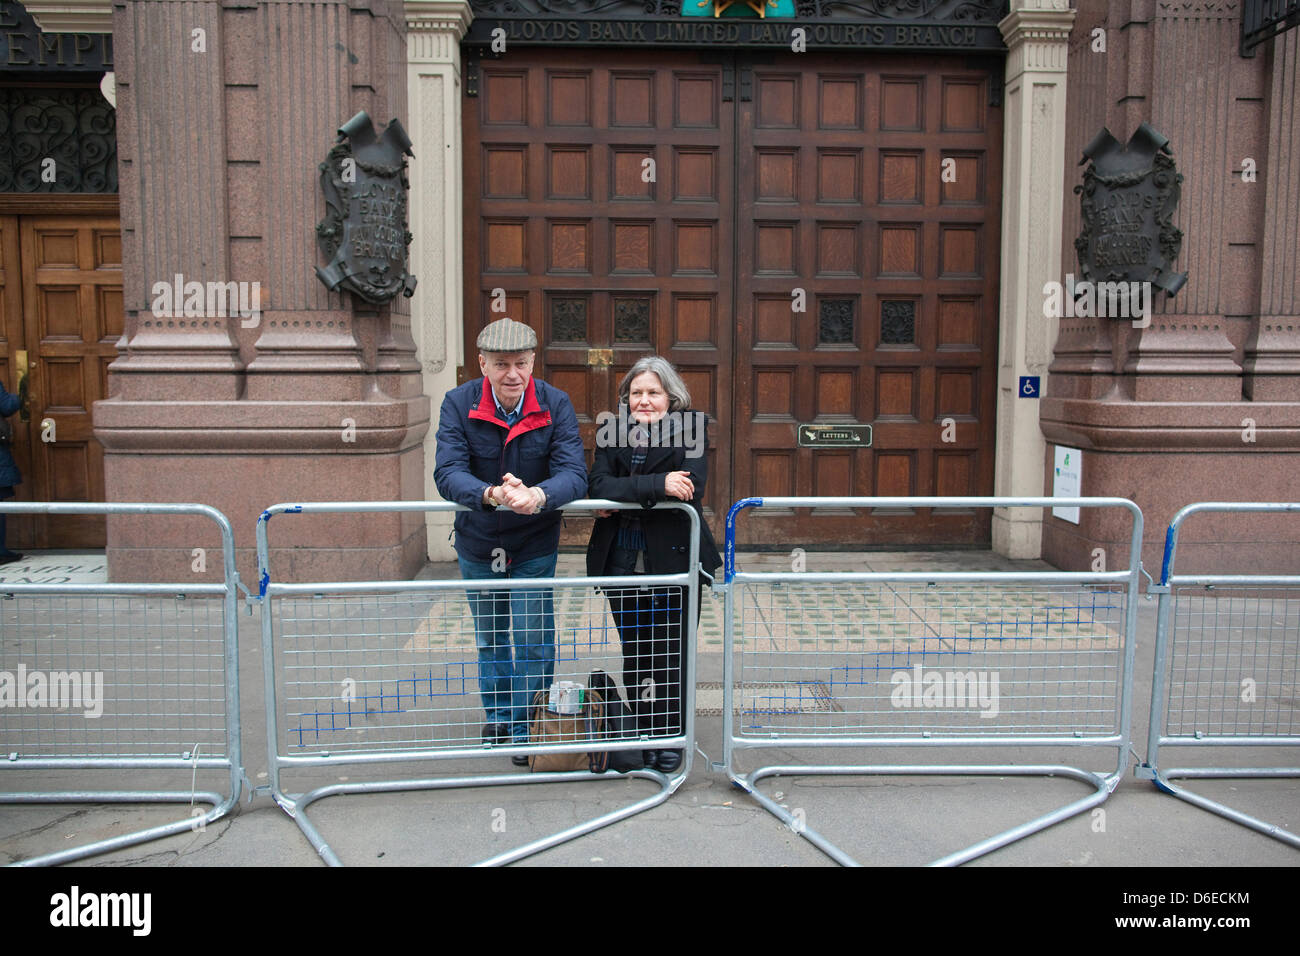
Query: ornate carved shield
1128, 198
364, 230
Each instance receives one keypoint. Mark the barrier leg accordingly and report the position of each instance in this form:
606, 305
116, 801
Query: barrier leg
296, 806
1103, 786
1162, 780
220, 807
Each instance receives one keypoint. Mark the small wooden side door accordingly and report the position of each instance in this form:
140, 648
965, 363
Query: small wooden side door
63, 306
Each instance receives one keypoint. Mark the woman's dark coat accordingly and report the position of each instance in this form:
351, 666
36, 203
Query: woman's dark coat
667, 531
9, 473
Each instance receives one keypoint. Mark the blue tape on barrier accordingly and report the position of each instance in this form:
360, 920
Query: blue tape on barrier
729, 542
1169, 556
367, 710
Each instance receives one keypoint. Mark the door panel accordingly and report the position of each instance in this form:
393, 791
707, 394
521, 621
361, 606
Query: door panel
603, 221
781, 229
866, 293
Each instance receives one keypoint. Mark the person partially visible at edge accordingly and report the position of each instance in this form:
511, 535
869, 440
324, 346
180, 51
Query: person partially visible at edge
508, 448
9, 473
665, 461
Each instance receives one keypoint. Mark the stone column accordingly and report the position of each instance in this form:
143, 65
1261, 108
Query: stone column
1202, 404
1272, 355
225, 112
175, 223
1036, 33
433, 31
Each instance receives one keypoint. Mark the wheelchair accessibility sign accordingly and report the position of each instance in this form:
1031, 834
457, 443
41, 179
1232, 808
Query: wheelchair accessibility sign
1029, 387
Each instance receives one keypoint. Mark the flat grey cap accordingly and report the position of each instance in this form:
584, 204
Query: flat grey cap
507, 335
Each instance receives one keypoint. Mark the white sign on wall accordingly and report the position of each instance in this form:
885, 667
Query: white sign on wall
1067, 481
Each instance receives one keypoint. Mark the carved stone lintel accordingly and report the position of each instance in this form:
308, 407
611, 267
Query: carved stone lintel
72, 16
937, 11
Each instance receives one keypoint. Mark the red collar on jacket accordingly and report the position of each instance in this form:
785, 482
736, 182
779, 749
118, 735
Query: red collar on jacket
534, 416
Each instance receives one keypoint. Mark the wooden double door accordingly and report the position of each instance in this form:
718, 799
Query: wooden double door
61, 318
808, 238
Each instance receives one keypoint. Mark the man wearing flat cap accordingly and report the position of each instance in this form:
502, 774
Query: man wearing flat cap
508, 448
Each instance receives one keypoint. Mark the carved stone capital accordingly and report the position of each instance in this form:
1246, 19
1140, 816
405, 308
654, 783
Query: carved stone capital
439, 16
1037, 34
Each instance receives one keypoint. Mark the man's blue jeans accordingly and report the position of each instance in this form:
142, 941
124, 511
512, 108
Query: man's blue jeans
508, 682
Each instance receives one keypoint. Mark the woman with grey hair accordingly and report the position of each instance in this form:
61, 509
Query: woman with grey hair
656, 452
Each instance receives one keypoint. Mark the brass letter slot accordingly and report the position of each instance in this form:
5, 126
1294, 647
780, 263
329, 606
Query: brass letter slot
600, 358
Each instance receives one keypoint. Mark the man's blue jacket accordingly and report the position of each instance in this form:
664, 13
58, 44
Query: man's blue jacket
475, 449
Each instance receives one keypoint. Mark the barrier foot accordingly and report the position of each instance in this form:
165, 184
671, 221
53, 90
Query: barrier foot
1102, 784
667, 788
1163, 781
791, 821
296, 807
220, 807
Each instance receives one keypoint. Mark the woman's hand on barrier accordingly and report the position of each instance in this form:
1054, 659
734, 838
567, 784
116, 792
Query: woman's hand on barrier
678, 484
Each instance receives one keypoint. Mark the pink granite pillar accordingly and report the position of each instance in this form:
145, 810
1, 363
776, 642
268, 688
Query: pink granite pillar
1272, 362
225, 112
1204, 404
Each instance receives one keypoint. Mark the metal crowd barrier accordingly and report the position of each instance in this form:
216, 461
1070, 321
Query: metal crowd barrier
122, 677
925, 659
1225, 668
376, 672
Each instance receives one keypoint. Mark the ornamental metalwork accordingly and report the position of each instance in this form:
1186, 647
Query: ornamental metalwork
835, 322
632, 320
897, 322
568, 320
57, 141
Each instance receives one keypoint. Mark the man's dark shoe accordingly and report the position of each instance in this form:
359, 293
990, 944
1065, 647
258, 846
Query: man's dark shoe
666, 761
650, 757
9, 557
519, 760
496, 734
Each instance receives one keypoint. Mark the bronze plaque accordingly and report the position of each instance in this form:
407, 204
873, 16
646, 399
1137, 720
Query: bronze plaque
1128, 199
364, 231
